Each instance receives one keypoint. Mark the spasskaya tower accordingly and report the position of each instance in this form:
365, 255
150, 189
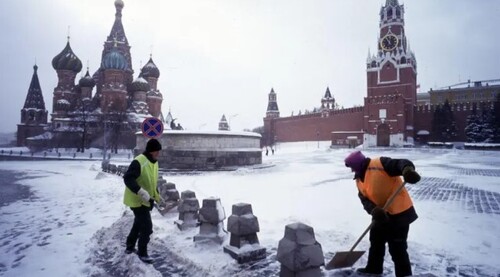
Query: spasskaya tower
391, 83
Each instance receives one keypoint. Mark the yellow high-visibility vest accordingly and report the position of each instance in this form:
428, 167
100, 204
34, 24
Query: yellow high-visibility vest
147, 180
378, 186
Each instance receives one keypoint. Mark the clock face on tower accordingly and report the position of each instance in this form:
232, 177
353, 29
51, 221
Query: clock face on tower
389, 42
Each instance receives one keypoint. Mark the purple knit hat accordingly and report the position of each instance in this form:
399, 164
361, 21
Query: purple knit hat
355, 161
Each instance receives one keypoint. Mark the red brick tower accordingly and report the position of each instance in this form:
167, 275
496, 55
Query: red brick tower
271, 114
391, 83
327, 103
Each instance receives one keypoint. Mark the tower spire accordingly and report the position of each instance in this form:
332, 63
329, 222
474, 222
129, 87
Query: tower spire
391, 3
272, 105
117, 29
33, 114
34, 99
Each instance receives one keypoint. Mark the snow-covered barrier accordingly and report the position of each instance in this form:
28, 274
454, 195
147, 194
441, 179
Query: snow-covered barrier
169, 195
212, 217
244, 244
188, 210
299, 253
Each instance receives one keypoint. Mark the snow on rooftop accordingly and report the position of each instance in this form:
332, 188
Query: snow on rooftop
140, 80
423, 132
63, 102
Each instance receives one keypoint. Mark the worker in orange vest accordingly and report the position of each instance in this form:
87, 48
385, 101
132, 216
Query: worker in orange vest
376, 180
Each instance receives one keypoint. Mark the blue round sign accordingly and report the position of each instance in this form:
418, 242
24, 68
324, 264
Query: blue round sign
152, 127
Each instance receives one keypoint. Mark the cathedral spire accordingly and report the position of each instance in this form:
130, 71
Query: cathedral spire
33, 114
117, 41
34, 99
119, 6
117, 29
391, 3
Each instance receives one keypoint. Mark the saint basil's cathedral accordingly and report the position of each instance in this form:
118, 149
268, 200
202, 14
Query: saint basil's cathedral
80, 118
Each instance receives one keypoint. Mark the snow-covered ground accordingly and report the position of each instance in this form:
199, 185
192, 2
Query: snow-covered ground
74, 223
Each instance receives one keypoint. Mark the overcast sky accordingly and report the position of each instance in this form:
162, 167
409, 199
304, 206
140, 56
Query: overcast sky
223, 57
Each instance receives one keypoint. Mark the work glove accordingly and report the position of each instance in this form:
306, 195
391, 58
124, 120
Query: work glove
151, 204
410, 175
379, 215
144, 195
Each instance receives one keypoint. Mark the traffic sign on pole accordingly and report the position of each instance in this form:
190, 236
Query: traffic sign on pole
152, 127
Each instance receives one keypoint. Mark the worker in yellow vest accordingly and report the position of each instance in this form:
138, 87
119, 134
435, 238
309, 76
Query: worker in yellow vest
376, 180
140, 194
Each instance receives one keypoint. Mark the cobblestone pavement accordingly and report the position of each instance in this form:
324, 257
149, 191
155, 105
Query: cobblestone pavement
472, 199
479, 172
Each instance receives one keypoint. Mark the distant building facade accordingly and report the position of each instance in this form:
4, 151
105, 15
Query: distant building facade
393, 114
464, 99
467, 92
104, 109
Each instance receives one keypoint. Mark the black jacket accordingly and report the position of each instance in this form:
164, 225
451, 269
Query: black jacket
133, 172
393, 167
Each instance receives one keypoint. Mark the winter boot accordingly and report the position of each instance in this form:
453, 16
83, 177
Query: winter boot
368, 272
130, 250
146, 259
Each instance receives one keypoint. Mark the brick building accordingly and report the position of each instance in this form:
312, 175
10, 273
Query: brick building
463, 99
391, 115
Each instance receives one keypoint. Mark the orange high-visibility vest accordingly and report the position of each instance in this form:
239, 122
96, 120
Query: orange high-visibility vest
379, 186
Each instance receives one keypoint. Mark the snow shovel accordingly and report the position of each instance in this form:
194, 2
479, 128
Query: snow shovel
347, 259
164, 208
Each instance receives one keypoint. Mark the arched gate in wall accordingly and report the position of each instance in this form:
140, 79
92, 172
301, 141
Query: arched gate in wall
383, 135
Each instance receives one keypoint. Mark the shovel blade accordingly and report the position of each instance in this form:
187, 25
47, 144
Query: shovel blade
344, 259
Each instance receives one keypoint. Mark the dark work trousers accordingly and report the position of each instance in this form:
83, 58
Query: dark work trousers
142, 228
395, 236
